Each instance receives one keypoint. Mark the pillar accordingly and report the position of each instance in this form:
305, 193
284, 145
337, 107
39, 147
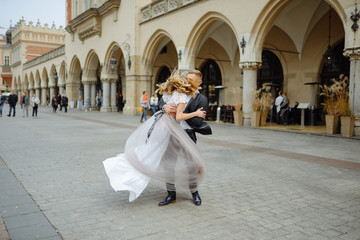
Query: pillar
249, 88
354, 86
62, 89
113, 95
106, 95
43, 96
93, 96
52, 91
38, 93
86, 95
31, 93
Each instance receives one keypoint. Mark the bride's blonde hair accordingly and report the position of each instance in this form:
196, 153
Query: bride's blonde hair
178, 81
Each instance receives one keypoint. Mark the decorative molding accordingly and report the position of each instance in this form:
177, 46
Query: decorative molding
250, 65
162, 7
15, 64
45, 57
88, 23
352, 53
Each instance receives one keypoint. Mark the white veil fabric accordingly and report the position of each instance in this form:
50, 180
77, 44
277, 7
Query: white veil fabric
168, 155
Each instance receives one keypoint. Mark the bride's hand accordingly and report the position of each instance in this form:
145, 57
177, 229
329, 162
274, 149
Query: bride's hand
200, 113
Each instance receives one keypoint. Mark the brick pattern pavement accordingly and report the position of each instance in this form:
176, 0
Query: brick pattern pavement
259, 184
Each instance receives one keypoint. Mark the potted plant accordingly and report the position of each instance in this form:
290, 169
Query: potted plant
336, 103
262, 105
238, 115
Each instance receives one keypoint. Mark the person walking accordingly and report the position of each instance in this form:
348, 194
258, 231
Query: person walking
191, 126
2, 102
65, 102
13, 99
154, 147
144, 103
25, 104
59, 100
54, 103
98, 101
278, 102
35, 104
120, 100
284, 109
154, 103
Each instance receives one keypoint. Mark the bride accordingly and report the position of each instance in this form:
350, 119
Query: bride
160, 148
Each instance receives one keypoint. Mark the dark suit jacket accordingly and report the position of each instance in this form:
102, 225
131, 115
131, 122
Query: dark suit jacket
194, 104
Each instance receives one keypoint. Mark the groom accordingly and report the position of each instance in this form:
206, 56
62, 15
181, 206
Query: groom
196, 124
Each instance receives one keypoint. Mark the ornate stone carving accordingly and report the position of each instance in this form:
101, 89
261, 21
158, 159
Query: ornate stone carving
352, 53
250, 65
90, 28
161, 7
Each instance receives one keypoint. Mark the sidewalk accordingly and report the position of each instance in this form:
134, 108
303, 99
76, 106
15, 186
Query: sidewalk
260, 184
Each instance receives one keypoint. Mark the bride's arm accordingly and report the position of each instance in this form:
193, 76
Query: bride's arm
180, 115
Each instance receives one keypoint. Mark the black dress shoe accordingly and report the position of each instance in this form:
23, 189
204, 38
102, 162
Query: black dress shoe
170, 198
8, 115
196, 198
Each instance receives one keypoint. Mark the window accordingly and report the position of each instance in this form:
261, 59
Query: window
7, 60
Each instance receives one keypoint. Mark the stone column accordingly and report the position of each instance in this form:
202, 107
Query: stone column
249, 88
37, 90
61, 88
354, 86
93, 96
43, 96
31, 93
106, 95
113, 95
52, 91
86, 95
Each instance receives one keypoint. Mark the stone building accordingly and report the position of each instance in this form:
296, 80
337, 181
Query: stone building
5, 69
129, 46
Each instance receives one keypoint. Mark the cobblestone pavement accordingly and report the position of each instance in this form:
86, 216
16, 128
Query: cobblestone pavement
259, 184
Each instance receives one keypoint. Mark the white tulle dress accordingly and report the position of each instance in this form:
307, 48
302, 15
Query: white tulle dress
159, 149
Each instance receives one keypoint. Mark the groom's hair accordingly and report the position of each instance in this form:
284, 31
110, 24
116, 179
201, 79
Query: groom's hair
196, 72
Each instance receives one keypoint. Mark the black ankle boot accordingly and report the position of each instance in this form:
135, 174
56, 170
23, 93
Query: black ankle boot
196, 198
171, 198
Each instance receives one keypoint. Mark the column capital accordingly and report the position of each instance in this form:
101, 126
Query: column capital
88, 82
250, 65
352, 53
61, 84
52, 85
109, 79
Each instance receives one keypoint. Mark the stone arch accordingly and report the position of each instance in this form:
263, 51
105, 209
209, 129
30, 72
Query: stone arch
14, 83
45, 78
118, 52
62, 73
52, 81
31, 81
37, 79
266, 19
73, 84
26, 82
156, 42
200, 31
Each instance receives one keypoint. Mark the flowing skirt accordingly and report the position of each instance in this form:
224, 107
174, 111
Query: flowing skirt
166, 153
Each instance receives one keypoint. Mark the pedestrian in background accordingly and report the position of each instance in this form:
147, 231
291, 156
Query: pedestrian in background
154, 103
2, 101
278, 102
59, 100
98, 102
119, 100
144, 103
284, 109
35, 104
54, 103
12, 102
25, 104
65, 102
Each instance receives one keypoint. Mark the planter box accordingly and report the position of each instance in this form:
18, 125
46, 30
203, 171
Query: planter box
347, 126
332, 124
263, 118
238, 118
255, 119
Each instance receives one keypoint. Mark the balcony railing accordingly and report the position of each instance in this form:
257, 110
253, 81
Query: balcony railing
161, 7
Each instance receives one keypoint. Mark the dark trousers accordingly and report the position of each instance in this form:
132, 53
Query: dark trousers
65, 106
34, 111
192, 135
12, 107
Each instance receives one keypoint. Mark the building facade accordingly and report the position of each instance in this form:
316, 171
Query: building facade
128, 46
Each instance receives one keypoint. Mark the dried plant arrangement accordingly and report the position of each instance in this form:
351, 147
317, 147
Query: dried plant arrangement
337, 97
263, 99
